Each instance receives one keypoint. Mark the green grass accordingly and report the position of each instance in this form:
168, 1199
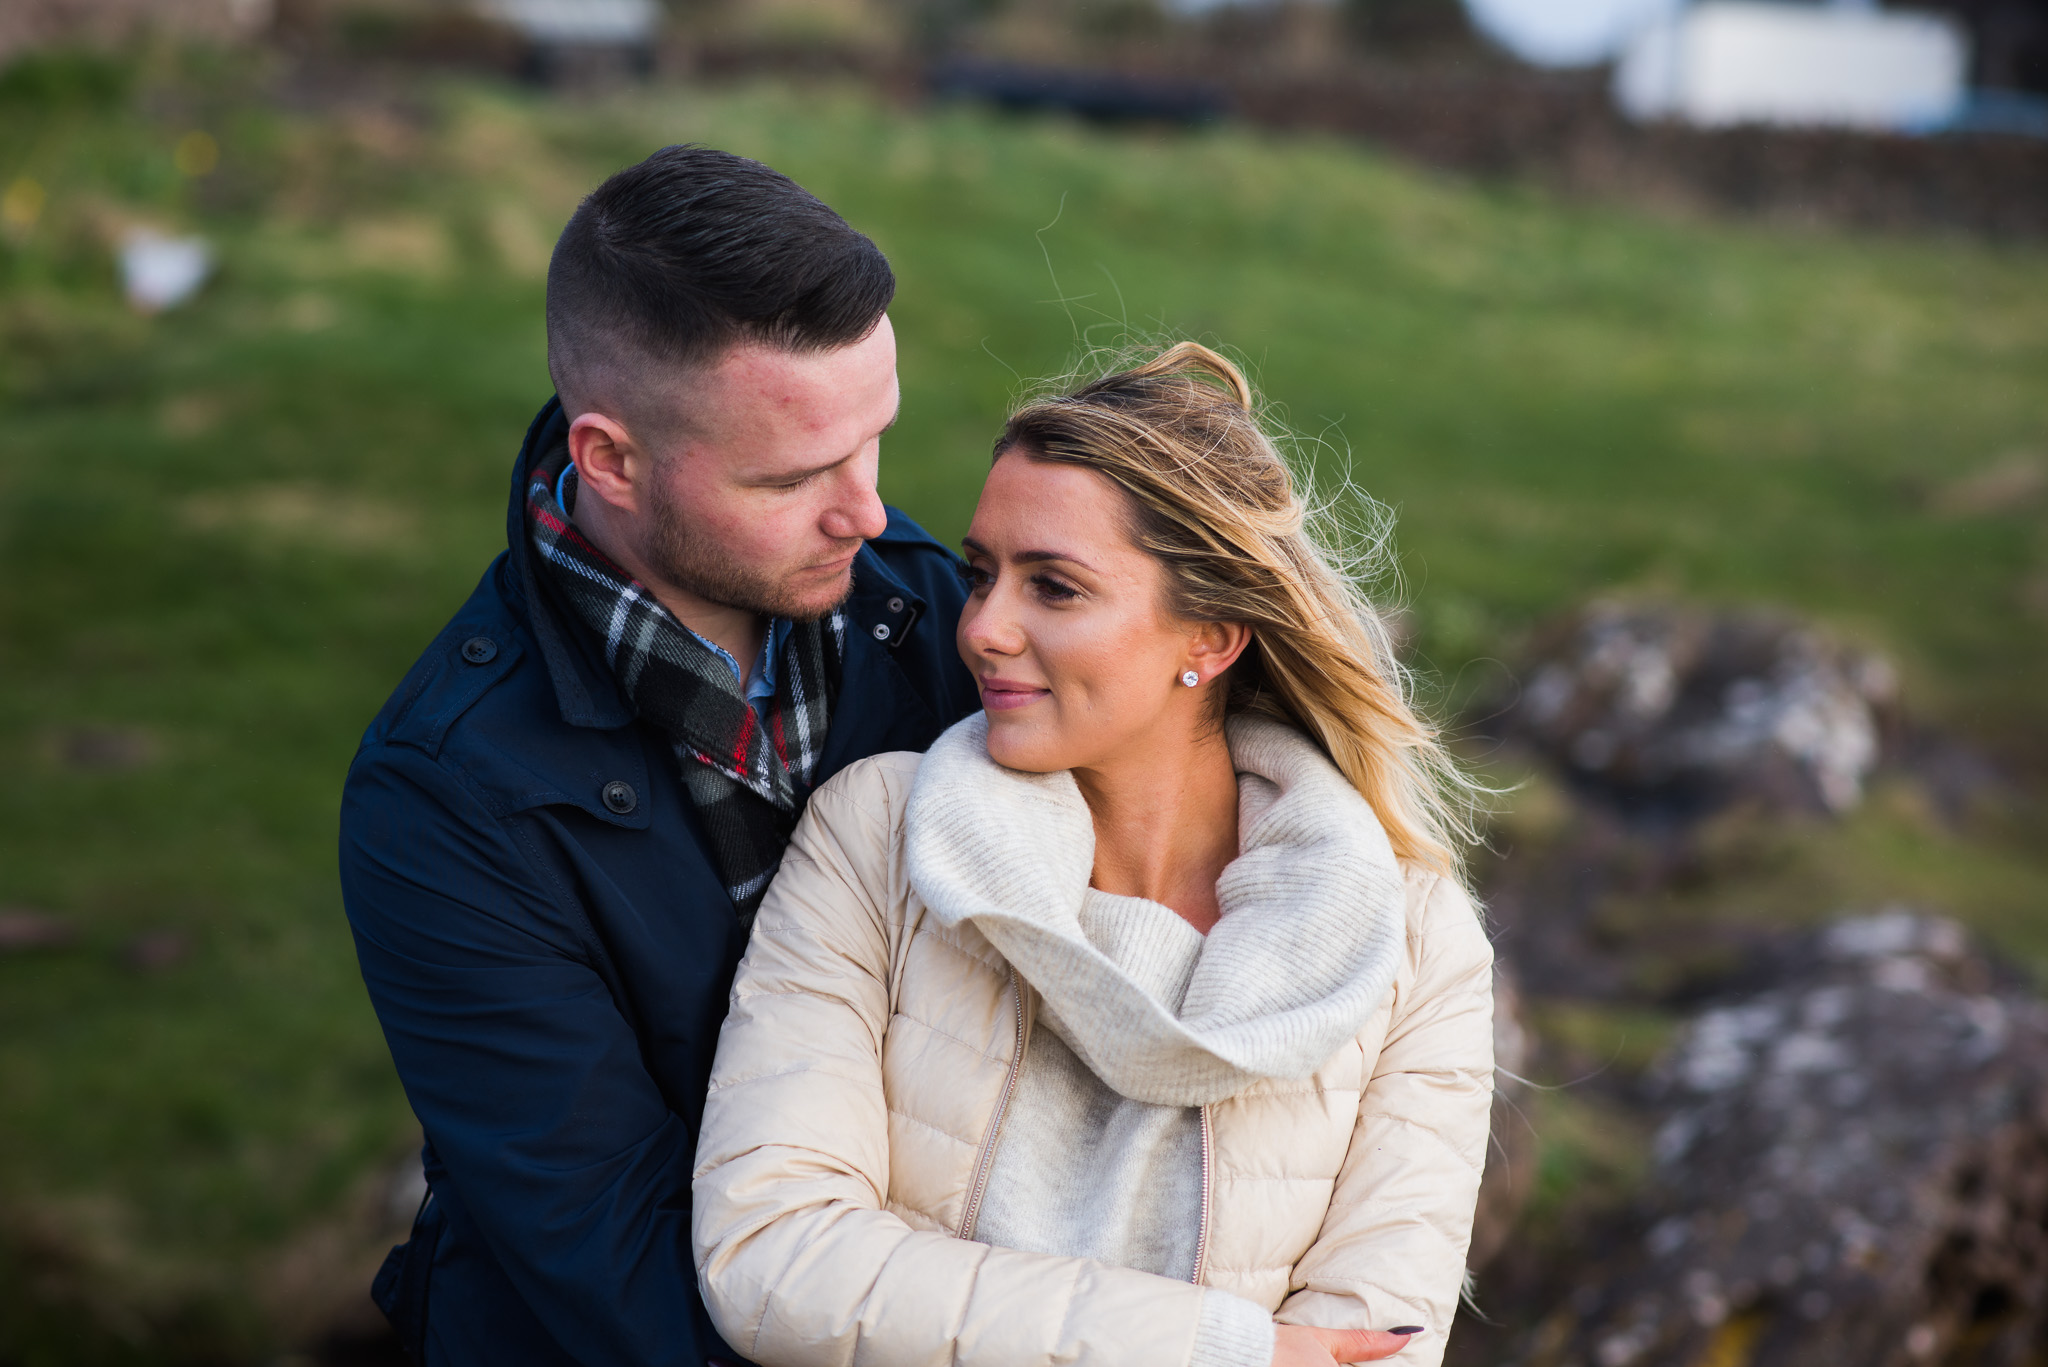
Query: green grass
229, 529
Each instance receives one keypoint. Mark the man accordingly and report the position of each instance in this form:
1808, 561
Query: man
556, 833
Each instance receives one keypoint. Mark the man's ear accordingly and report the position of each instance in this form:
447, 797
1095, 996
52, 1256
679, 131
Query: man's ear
608, 462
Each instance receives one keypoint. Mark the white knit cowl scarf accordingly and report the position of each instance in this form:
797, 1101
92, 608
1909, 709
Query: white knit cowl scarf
1311, 932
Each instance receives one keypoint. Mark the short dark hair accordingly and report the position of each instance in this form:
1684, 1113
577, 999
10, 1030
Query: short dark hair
678, 258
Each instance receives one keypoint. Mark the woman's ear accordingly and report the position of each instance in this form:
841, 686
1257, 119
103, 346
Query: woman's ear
1215, 646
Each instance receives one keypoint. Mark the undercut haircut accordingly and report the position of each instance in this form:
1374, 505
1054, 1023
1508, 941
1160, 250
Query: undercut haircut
673, 261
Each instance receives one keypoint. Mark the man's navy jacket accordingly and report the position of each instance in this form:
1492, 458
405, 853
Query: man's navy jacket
549, 950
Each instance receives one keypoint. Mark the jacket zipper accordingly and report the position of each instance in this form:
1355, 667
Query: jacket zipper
995, 1124
1202, 1237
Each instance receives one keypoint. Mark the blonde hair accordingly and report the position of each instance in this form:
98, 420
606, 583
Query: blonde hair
1213, 500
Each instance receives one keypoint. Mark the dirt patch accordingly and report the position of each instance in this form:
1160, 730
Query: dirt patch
299, 513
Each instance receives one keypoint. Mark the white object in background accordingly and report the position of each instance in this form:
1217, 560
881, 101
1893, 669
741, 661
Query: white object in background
159, 272
1737, 61
578, 22
1566, 32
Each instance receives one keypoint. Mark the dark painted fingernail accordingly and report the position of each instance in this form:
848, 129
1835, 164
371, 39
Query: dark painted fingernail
1407, 1329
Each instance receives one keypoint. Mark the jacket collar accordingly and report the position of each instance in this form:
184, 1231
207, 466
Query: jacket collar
880, 611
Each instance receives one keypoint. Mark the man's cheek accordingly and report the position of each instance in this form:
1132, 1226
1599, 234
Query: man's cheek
764, 536
737, 523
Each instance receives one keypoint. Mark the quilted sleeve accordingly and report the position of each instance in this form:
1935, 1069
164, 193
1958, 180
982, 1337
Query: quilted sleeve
1392, 1249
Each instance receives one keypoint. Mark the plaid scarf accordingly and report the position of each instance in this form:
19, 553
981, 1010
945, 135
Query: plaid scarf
747, 781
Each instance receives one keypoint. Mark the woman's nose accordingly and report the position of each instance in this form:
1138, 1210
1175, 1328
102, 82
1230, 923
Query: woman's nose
988, 627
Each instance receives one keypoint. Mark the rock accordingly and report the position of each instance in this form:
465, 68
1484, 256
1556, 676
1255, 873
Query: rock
1672, 753
22, 929
1851, 1167
1685, 708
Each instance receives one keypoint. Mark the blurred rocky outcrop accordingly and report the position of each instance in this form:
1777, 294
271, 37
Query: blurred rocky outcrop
1682, 708
1842, 1155
1850, 1167
1677, 743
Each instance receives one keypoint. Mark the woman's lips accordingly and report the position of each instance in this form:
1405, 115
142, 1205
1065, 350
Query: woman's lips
999, 695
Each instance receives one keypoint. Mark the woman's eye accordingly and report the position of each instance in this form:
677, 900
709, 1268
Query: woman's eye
976, 579
1052, 590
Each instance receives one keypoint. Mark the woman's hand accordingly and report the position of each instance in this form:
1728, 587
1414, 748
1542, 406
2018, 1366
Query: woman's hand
1297, 1345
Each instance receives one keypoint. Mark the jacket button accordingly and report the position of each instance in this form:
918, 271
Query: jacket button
479, 650
881, 631
619, 797
895, 605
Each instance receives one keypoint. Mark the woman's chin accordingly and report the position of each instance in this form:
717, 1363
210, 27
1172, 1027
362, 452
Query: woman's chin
1016, 744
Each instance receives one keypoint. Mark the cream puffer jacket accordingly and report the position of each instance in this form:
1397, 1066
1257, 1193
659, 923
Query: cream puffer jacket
860, 1081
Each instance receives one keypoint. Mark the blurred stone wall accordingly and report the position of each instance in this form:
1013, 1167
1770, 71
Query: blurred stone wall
26, 24
1563, 130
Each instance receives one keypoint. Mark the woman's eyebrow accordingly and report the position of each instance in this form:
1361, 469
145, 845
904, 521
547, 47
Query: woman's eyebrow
1033, 557
974, 547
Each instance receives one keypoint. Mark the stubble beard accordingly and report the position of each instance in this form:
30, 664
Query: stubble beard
704, 570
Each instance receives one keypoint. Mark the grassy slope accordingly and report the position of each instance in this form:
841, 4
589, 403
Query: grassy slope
232, 527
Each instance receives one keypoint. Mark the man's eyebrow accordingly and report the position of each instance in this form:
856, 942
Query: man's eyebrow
974, 547
797, 476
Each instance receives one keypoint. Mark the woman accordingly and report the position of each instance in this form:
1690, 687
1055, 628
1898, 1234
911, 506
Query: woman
1144, 1019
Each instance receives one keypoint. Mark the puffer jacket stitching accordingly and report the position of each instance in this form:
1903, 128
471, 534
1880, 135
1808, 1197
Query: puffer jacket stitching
860, 805
943, 1133
794, 1070
946, 937
780, 1280
916, 1219
1414, 1218
921, 1023
1307, 1087
1390, 1118
1350, 1286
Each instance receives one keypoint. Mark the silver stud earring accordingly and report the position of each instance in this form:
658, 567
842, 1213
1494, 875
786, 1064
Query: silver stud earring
1191, 678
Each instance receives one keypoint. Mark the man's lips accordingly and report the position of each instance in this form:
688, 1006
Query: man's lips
836, 564
1002, 695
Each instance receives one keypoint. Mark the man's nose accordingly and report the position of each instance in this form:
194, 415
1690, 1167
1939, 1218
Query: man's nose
859, 513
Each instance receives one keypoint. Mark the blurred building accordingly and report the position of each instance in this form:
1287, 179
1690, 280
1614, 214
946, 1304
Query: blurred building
568, 40
1918, 67
1745, 61
578, 23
